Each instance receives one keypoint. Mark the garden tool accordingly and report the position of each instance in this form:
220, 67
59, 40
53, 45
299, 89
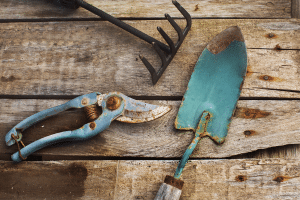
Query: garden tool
165, 52
210, 99
115, 106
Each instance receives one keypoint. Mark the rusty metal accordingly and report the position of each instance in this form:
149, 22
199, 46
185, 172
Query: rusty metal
250, 113
19, 149
165, 52
92, 125
213, 90
241, 178
91, 112
170, 180
84, 101
224, 39
280, 179
113, 103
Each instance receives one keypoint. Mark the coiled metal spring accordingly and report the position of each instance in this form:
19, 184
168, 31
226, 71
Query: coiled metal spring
91, 112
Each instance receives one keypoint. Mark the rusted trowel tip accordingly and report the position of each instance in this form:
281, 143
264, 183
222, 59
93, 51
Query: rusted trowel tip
222, 40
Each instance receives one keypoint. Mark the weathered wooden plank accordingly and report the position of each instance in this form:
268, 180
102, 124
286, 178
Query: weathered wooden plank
208, 179
79, 57
38, 9
256, 125
295, 8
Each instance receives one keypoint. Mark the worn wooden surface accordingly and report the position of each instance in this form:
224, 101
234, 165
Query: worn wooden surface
63, 58
295, 5
107, 180
257, 124
49, 55
41, 9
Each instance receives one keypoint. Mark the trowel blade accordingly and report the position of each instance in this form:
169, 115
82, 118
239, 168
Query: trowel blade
215, 84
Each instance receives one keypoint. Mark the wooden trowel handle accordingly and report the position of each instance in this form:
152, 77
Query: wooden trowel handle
170, 189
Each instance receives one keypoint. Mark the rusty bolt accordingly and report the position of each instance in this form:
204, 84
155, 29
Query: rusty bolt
247, 133
84, 101
266, 77
113, 103
271, 35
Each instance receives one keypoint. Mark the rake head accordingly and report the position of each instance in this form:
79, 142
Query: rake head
165, 52
167, 56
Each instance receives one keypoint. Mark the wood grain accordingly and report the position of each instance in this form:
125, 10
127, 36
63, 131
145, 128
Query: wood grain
295, 9
210, 179
62, 58
40, 9
257, 124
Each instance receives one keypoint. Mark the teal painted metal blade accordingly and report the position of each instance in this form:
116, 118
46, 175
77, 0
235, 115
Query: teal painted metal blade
215, 84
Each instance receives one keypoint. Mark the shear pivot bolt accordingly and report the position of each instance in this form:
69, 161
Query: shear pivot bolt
113, 103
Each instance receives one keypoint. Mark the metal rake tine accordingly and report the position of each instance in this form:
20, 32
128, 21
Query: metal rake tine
167, 39
160, 53
186, 15
175, 26
150, 69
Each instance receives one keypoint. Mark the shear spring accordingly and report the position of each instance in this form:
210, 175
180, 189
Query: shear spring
17, 142
91, 112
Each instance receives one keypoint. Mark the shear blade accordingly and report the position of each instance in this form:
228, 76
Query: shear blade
138, 112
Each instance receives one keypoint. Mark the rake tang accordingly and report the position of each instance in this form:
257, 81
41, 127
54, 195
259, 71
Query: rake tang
115, 106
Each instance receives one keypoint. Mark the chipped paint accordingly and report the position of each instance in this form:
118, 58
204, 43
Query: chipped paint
140, 117
114, 105
220, 42
84, 101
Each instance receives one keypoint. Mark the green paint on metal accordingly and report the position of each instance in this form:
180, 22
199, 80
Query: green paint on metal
205, 118
215, 87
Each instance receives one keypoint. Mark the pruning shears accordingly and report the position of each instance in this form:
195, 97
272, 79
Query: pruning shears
115, 106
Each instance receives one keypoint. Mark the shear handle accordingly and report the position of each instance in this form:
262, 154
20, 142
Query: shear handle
79, 102
87, 131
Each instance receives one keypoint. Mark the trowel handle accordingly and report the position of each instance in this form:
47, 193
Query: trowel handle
170, 189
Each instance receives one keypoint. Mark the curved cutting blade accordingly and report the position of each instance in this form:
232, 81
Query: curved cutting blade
138, 111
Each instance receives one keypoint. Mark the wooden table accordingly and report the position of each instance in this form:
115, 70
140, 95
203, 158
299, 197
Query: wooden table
49, 55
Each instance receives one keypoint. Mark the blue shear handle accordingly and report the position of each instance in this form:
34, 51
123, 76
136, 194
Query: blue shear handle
87, 131
89, 99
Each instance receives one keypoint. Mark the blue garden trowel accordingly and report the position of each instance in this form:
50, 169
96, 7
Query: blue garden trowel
210, 99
